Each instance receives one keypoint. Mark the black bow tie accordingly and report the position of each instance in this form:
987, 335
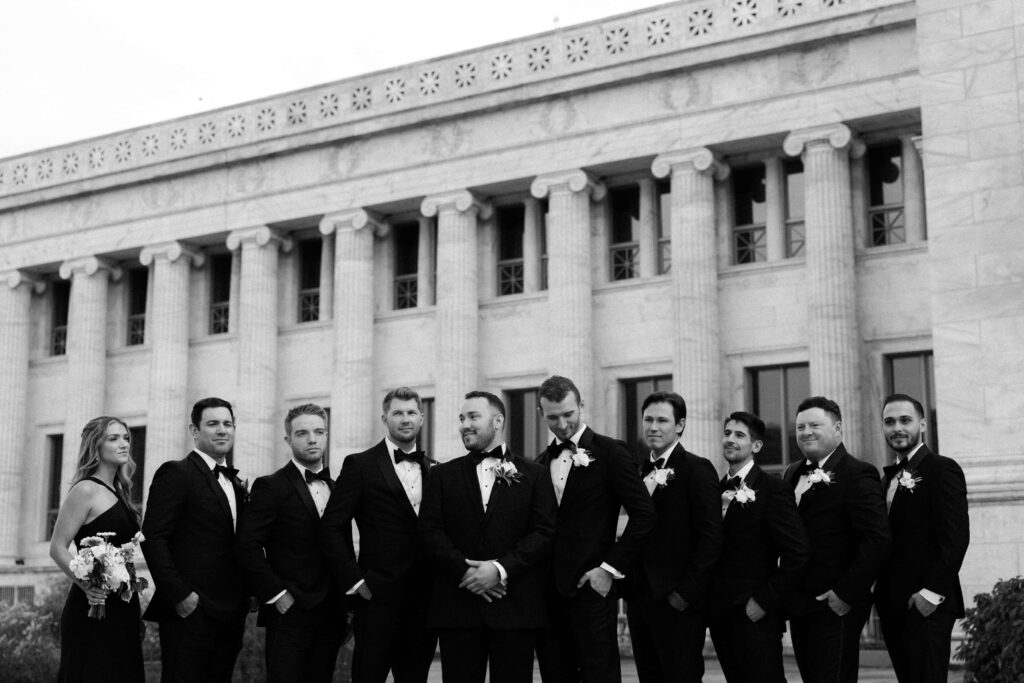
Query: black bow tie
730, 483
323, 475
478, 456
414, 456
555, 449
648, 466
229, 472
805, 468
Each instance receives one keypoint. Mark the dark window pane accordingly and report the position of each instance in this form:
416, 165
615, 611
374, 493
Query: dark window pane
138, 449
220, 278
138, 281
527, 433
625, 213
407, 248
55, 444
775, 392
61, 301
425, 442
510, 221
635, 391
913, 374
309, 263
885, 170
749, 195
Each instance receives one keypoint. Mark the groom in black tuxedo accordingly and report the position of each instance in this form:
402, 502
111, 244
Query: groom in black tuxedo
918, 593
594, 477
381, 490
201, 598
487, 523
841, 505
279, 552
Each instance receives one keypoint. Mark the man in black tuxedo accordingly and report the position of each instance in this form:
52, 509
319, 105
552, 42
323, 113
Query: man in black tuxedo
487, 522
279, 552
918, 593
666, 601
201, 598
593, 476
381, 489
843, 510
764, 554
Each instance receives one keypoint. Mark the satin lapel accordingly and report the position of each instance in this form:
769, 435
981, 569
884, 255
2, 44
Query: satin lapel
499, 493
207, 474
298, 482
385, 464
472, 484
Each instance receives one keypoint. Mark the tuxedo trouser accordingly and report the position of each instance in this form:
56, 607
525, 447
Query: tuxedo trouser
582, 644
668, 645
918, 645
392, 637
465, 654
302, 645
827, 646
199, 648
748, 651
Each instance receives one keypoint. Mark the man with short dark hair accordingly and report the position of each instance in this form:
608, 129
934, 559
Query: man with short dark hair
918, 594
763, 557
200, 600
593, 477
381, 489
843, 510
487, 523
666, 601
279, 552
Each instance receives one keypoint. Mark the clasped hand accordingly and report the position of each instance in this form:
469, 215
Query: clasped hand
483, 579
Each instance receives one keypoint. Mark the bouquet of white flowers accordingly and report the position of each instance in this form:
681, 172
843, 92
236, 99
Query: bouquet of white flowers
112, 568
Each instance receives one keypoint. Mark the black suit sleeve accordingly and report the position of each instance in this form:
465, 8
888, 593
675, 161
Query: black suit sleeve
254, 530
865, 507
789, 539
631, 493
449, 561
163, 510
532, 548
336, 525
950, 528
706, 519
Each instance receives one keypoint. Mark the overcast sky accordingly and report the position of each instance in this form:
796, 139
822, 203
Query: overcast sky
73, 69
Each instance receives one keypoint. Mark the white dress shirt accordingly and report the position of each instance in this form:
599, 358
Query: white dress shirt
802, 485
409, 473
485, 476
318, 488
225, 484
742, 474
649, 478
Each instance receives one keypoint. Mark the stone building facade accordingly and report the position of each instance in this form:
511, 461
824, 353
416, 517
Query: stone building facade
746, 200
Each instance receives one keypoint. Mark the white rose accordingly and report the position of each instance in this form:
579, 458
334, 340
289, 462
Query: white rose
581, 458
117, 575
81, 567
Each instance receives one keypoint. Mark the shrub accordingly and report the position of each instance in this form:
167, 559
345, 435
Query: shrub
994, 649
30, 636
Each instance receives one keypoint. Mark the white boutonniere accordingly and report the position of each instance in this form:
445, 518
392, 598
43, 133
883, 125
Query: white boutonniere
744, 494
582, 458
663, 475
506, 471
820, 477
907, 480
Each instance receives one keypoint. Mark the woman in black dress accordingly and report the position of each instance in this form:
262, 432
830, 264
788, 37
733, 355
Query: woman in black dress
108, 649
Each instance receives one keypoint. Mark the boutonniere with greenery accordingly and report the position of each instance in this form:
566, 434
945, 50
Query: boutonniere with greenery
506, 471
743, 494
663, 475
581, 457
820, 477
907, 480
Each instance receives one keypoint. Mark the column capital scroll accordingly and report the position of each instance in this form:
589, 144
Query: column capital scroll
15, 278
460, 200
702, 159
838, 135
90, 265
262, 235
354, 219
576, 179
171, 251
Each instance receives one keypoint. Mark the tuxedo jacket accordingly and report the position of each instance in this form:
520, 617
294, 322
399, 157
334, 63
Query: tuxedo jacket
930, 532
516, 530
680, 553
588, 515
848, 532
765, 549
190, 540
369, 491
277, 545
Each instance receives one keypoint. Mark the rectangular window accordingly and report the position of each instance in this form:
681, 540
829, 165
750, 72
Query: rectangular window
774, 394
749, 239
138, 449
913, 374
59, 320
220, 293
309, 279
425, 442
793, 171
635, 391
664, 227
624, 203
528, 435
511, 222
137, 283
407, 249
55, 456
886, 219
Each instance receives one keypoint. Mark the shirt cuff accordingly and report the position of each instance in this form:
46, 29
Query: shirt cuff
501, 572
355, 589
277, 597
932, 597
612, 570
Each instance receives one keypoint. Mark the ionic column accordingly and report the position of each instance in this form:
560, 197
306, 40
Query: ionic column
167, 334
352, 404
648, 237
257, 434
86, 352
696, 358
775, 220
425, 265
834, 341
15, 296
570, 315
458, 348
532, 221
327, 277
913, 188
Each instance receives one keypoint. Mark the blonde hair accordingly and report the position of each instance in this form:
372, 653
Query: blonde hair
93, 433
